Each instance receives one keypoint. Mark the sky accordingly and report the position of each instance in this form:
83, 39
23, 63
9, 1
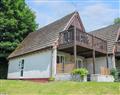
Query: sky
94, 14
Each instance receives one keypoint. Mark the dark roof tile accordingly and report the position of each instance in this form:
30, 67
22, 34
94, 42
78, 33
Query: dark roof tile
109, 34
42, 38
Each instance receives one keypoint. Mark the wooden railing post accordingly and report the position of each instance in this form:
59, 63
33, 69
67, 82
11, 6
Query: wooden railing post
107, 60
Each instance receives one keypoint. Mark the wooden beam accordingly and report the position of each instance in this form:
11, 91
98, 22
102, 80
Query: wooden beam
63, 67
107, 57
93, 55
84, 52
107, 60
93, 61
75, 49
65, 46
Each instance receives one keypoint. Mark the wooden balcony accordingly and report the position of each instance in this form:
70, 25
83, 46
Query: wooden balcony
117, 51
118, 47
84, 41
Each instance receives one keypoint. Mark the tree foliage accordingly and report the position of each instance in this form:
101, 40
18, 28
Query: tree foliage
117, 20
16, 21
3, 68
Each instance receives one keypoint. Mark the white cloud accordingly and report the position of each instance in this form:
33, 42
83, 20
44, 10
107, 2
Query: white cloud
94, 15
43, 19
49, 12
99, 10
98, 15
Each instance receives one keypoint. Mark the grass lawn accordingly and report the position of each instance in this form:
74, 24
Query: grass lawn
17, 87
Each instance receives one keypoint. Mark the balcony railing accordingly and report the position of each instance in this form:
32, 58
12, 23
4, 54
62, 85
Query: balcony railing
118, 46
83, 39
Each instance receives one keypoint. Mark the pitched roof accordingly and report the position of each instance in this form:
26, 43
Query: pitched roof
42, 38
109, 34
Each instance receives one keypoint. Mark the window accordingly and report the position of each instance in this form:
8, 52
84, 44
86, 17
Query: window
60, 59
22, 67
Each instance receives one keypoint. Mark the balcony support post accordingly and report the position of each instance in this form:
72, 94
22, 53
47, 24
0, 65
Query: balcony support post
75, 48
107, 57
107, 60
93, 61
93, 53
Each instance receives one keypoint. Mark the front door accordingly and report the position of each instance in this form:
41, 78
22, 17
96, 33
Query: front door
60, 63
79, 63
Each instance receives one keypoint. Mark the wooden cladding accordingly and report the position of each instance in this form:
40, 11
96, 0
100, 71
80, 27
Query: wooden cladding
104, 71
68, 67
83, 39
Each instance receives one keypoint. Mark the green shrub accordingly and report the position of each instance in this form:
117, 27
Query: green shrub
114, 73
118, 74
81, 71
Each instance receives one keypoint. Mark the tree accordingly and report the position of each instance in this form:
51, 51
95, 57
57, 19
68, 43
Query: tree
117, 20
16, 22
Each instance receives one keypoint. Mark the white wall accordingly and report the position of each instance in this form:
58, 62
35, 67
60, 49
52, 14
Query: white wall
111, 60
100, 62
89, 65
102, 78
36, 65
88, 62
69, 58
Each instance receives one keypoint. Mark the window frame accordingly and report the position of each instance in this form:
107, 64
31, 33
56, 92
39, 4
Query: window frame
60, 59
